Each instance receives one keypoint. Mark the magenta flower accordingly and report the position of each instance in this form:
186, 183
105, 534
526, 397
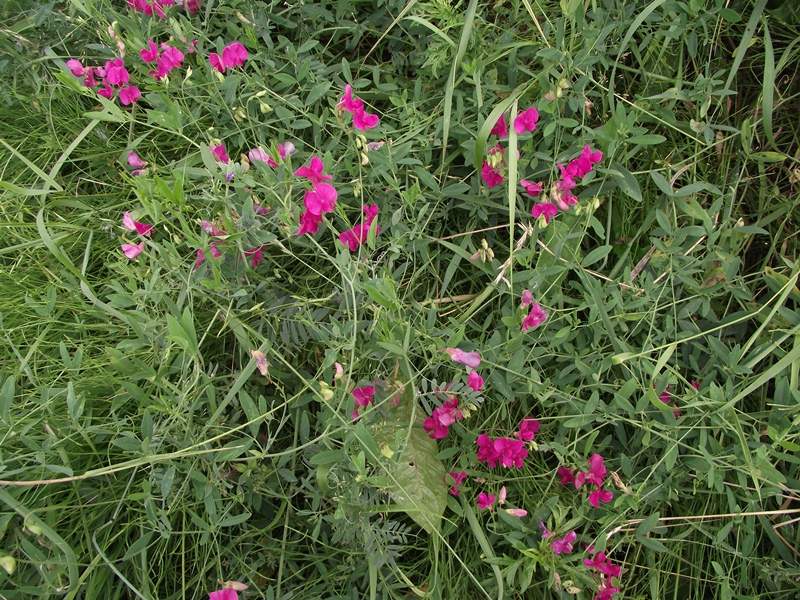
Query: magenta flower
220, 154
598, 496
76, 68
486, 450
256, 253
361, 119
527, 298
309, 223
192, 5
201, 257
535, 317
532, 189
234, 55
600, 563
150, 54
216, 62
455, 480
512, 452
226, 594
564, 545
485, 501
500, 129
107, 92
490, 175
353, 238
131, 225
548, 209
546, 533
116, 73
694, 384
526, 121
320, 200
606, 593
438, 424
567, 475
527, 429
129, 95
471, 359
132, 250
314, 172
171, 58
363, 397
475, 381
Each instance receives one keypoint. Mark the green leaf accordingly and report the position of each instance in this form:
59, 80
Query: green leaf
416, 474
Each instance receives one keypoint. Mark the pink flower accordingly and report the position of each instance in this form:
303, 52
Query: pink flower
486, 450
220, 153
532, 189
512, 452
132, 250
107, 92
471, 359
567, 475
695, 385
226, 594
258, 154
592, 157
527, 429
234, 55
135, 161
363, 397
256, 253
606, 593
598, 496
535, 317
129, 95
76, 67
192, 5
353, 238
201, 257
564, 545
438, 424
89, 80
456, 479
603, 564
548, 209
500, 129
517, 512
140, 228
314, 172
361, 119
171, 57
526, 121
320, 200
116, 73
546, 533
490, 175
485, 501
216, 62
475, 381
150, 54
309, 223
527, 298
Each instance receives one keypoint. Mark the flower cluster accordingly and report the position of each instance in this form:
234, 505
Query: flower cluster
156, 7
491, 171
260, 155
166, 59
602, 565
363, 397
320, 199
353, 238
561, 193
233, 55
485, 501
507, 451
595, 476
537, 314
112, 76
438, 424
361, 118
134, 250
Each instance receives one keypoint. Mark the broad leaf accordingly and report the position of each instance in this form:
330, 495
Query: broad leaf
416, 475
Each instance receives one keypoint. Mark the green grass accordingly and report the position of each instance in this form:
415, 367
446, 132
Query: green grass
142, 454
